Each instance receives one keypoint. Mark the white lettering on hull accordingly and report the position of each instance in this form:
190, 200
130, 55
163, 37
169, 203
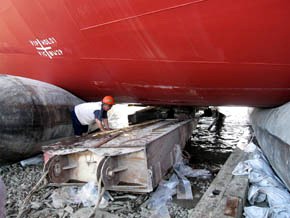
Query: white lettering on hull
46, 47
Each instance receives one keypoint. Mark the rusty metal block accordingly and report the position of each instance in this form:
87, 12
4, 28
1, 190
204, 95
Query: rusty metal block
233, 205
134, 160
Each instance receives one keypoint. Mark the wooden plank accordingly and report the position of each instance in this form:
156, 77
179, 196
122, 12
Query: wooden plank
138, 136
226, 192
95, 139
233, 201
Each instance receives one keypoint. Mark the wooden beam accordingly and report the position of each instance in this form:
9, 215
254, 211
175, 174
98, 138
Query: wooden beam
226, 195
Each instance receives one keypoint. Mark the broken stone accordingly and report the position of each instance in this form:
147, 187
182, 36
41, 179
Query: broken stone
132, 197
47, 212
69, 209
104, 214
83, 212
36, 205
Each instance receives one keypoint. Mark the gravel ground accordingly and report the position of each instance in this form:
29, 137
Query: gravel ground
208, 150
20, 180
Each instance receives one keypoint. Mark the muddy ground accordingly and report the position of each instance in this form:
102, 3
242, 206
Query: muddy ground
208, 149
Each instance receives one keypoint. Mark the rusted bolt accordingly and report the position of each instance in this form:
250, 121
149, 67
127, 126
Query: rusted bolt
57, 169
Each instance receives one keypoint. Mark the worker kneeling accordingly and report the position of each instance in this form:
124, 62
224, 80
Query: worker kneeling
87, 114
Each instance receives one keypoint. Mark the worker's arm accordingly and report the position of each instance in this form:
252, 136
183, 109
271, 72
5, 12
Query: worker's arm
106, 124
100, 125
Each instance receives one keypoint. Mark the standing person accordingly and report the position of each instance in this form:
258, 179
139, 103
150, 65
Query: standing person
87, 114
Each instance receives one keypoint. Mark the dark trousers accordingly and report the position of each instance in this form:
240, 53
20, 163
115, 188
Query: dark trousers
79, 129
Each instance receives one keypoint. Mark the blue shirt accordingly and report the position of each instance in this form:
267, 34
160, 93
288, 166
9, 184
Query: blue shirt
101, 114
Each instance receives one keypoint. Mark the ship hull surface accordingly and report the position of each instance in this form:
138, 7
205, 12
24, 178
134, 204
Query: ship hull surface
177, 52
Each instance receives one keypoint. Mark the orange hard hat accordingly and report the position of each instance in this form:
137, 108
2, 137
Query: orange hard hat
108, 100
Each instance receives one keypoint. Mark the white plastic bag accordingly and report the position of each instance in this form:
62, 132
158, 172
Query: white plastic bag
275, 196
189, 172
32, 161
243, 168
261, 179
157, 202
161, 212
265, 186
255, 196
63, 196
281, 211
88, 196
251, 147
258, 169
164, 193
256, 212
184, 170
261, 165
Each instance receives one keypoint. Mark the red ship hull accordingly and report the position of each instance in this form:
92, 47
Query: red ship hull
181, 52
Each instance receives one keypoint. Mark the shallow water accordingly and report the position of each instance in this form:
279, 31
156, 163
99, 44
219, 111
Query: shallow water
209, 149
